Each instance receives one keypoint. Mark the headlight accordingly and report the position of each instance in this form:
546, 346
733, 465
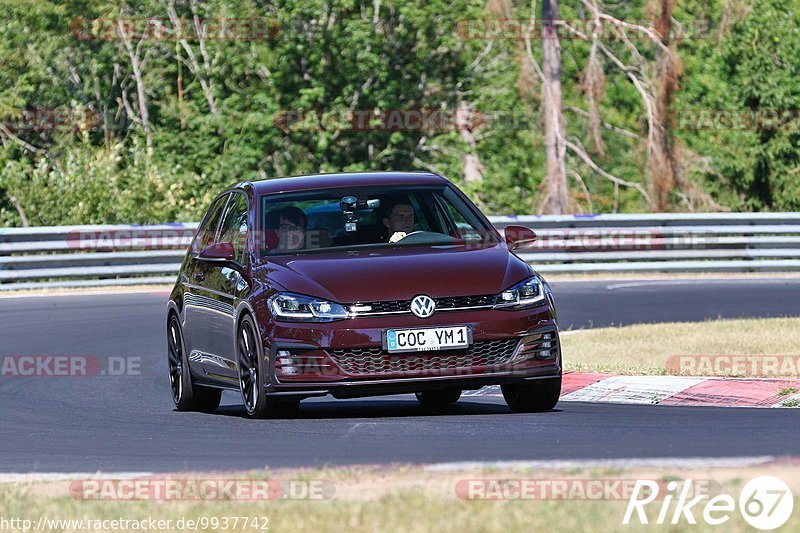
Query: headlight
549, 293
524, 294
298, 308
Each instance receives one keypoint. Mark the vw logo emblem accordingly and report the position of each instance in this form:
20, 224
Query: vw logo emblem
423, 306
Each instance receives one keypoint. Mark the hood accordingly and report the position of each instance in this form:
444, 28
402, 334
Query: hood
396, 273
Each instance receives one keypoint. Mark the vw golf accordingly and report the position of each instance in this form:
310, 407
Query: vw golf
356, 285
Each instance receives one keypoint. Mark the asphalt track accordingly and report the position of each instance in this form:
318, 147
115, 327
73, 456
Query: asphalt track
127, 423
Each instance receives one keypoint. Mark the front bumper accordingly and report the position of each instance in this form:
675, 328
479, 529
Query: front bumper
345, 358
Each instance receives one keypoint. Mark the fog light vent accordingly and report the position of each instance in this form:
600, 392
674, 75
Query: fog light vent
301, 362
542, 346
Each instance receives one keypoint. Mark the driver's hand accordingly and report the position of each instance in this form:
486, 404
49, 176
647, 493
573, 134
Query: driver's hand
397, 236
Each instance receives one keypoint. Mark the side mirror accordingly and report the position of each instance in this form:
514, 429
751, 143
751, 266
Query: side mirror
519, 236
220, 253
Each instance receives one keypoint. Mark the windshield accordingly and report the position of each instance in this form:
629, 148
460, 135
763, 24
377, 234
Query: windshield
366, 217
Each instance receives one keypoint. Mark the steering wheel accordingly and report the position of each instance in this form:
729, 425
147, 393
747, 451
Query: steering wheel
407, 235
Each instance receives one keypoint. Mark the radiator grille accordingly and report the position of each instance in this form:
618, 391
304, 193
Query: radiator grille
370, 361
446, 303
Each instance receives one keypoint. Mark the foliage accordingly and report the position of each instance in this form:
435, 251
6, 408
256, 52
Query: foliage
216, 108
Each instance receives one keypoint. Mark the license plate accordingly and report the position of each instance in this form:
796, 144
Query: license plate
426, 339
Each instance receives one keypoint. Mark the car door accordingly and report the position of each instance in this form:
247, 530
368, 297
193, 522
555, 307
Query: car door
224, 285
197, 305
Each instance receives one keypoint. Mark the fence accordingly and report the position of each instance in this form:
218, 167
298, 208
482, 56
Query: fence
711, 242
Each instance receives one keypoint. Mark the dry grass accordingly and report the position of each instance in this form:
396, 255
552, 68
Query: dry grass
407, 499
646, 348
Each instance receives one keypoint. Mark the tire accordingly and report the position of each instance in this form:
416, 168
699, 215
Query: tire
252, 369
438, 398
185, 394
532, 397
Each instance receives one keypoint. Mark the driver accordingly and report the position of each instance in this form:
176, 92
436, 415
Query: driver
399, 219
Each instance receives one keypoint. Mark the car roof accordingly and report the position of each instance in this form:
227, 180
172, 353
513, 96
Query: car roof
344, 179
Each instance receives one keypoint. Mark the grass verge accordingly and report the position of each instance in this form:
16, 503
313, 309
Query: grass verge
646, 349
408, 499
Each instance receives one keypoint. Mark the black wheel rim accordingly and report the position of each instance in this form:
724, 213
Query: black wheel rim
248, 367
175, 358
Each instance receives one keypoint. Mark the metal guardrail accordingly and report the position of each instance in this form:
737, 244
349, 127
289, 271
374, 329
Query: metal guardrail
92, 255
673, 242
707, 242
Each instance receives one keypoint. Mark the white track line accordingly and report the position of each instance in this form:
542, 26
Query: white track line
695, 281
87, 292
58, 476
657, 462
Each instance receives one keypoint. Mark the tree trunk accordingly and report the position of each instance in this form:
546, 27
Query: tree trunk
557, 194
661, 157
21, 212
133, 54
465, 122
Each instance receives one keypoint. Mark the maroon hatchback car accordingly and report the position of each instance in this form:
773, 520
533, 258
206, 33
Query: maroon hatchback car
357, 285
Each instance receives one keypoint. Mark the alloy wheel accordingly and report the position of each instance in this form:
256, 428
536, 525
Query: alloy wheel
248, 366
175, 360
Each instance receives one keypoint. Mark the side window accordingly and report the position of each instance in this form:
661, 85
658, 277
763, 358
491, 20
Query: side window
462, 227
234, 226
421, 220
208, 229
